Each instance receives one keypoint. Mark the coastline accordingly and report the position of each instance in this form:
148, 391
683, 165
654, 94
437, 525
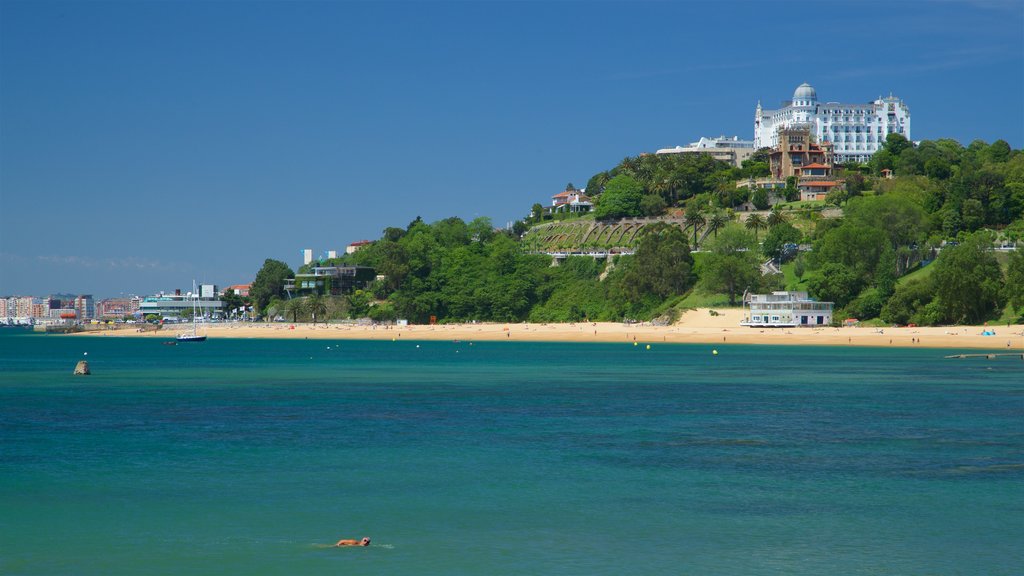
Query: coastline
697, 326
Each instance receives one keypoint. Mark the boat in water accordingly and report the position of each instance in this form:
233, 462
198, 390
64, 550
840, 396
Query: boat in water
192, 335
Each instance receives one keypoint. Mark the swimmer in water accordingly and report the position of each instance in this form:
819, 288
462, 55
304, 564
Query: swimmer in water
344, 542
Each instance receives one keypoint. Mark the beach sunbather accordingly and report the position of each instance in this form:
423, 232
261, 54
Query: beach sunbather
344, 542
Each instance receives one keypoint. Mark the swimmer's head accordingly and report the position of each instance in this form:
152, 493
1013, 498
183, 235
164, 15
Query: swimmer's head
365, 542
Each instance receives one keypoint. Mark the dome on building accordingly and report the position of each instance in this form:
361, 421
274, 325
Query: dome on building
805, 92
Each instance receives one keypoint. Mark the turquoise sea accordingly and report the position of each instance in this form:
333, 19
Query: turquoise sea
248, 456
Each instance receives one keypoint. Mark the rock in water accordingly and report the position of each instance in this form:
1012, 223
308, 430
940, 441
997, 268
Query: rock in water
82, 368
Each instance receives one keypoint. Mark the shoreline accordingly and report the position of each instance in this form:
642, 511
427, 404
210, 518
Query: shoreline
695, 327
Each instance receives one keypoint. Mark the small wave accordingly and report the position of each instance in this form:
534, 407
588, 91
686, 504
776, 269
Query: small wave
994, 468
712, 442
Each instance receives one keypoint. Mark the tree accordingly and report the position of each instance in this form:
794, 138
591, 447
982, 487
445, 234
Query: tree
695, 219
652, 205
296, 306
968, 281
895, 144
731, 266
393, 234
1015, 280
718, 221
902, 220
759, 198
359, 304
755, 222
317, 307
662, 266
775, 218
855, 184
393, 263
885, 272
269, 282
908, 299
853, 245
596, 184
835, 283
777, 238
836, 196
621, 197
999, 151
232, 301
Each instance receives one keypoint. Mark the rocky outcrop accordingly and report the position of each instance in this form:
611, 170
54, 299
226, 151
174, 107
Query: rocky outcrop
82, 368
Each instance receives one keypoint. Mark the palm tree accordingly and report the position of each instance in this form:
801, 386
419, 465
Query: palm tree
661, 188
317, 307
775, 217
718, 221
296, 306
755, 222
695, 219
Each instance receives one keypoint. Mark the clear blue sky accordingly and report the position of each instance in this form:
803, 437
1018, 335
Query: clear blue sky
144, 144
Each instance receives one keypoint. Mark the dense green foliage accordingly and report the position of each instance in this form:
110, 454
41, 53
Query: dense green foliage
458, 272
662, 267
971, 197
622, 197
942, 214
673, 178
731, 267
269, 282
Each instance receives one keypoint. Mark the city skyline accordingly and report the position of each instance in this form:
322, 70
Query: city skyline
146, 145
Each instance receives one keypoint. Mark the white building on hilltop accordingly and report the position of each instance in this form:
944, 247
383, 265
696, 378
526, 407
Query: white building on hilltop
731, 150
856, 131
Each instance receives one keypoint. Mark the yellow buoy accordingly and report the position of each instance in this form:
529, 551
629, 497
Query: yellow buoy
714, 352
648, 346
634, 343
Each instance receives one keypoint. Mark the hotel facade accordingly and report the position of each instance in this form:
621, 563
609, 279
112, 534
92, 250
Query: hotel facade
854, 131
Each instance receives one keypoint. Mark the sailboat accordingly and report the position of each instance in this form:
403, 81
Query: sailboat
193, 335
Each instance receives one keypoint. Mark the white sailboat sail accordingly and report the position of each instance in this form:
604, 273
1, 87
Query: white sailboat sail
193, 335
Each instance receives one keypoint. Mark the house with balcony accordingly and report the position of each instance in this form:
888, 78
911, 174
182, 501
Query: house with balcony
785, 310
330, 281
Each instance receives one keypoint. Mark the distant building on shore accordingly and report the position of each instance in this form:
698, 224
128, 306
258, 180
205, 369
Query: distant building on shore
85, 306
856, 131
731, 150
178, 304
118, 307
239, 289
356, 246
785, 309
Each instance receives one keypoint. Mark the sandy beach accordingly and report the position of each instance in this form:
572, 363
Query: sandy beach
700, 326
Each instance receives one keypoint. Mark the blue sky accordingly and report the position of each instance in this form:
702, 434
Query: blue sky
146, 144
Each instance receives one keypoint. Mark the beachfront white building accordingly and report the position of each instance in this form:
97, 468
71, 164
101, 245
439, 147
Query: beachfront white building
856, 131
727, 149
205, 301
785, 309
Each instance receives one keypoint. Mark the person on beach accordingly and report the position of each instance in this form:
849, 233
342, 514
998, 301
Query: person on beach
346, 542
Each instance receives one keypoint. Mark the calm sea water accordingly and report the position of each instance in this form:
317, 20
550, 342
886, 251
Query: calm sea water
247, 456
